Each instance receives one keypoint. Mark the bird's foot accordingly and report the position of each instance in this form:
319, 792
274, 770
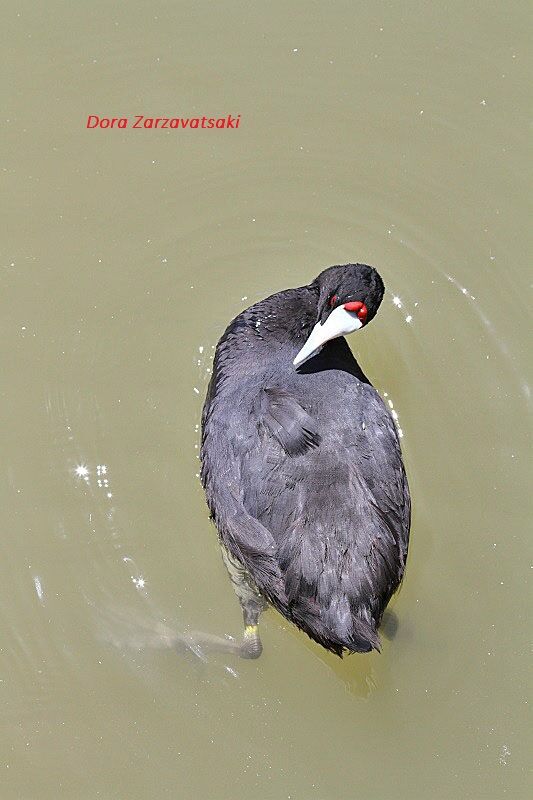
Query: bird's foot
251, 646
389, 624
203, 643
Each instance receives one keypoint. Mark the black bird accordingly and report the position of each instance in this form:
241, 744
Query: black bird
302, 467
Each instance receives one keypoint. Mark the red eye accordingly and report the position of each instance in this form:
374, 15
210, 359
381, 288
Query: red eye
359, 308
333, 300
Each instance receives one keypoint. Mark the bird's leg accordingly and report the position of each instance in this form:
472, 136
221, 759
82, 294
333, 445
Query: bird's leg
252, 604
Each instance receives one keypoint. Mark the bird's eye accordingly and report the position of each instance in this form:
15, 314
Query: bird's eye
333, 300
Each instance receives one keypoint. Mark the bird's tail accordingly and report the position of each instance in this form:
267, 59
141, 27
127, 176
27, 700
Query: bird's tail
352, 632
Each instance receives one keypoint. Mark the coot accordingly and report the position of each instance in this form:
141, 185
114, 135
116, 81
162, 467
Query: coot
301, 465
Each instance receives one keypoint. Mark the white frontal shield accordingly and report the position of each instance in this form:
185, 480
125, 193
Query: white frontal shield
339, 323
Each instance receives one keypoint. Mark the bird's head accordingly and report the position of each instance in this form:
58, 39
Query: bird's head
348, 298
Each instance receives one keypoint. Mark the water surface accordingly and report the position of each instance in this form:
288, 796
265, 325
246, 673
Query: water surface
393, 134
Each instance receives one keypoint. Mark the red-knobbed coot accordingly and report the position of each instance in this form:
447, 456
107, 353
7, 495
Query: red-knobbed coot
301, 465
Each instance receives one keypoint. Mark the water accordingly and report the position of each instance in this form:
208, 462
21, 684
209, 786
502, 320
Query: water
388, 133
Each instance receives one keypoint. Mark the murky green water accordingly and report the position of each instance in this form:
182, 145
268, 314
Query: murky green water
391, 133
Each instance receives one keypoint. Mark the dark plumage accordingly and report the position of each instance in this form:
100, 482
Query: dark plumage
302, 466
